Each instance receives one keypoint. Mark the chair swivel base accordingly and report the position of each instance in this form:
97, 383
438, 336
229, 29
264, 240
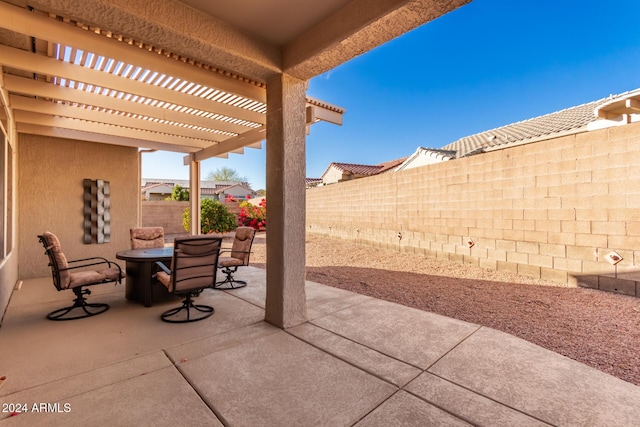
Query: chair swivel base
229, 282
175, 315
81, 306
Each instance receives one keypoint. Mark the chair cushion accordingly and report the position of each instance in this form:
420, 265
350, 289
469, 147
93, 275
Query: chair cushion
60, 260
147, 237
227, 261
113, 273
165, 279
81, 278
242, 244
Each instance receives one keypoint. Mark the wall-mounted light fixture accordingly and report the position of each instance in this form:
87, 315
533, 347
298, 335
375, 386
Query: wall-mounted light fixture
613, 257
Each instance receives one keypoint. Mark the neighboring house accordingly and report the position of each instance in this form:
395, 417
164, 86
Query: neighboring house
590, 116
238, 190
565, 122
159, 189
156, 191
338, 172
606, 112
313, 182
426, 156
611, 111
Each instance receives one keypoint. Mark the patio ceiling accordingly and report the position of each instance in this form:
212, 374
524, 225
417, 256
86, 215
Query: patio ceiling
64, 78
187, 76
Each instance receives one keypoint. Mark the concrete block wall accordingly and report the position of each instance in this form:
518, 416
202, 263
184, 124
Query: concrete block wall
163, 214
551, 209
168, 214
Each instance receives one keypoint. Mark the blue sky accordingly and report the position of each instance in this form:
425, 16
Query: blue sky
485, 65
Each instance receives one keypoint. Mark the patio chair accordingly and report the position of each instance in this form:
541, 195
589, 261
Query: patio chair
193, 268
238, 257
147, 237
77, 277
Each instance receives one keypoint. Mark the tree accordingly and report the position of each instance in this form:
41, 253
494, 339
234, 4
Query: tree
226, 174
180, 194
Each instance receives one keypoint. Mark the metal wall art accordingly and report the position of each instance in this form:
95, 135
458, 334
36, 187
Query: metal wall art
97, 216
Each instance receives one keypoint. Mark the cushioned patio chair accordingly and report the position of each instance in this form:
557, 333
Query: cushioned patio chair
76, 275
238, 257
193, 268
147, 237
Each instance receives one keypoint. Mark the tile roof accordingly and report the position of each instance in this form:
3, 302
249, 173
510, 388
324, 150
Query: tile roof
391, 164
356, 169
367, 170
150, 185
564, 121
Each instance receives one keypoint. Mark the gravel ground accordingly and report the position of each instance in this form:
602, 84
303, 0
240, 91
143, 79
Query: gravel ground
599, 329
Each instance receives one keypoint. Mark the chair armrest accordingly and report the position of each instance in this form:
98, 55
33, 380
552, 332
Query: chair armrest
163, 267
94, 261
229, 250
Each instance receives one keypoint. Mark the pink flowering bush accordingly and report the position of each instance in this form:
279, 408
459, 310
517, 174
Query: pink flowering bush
253, 216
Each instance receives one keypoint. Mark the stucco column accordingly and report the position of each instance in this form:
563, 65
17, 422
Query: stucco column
286, 304
194, 195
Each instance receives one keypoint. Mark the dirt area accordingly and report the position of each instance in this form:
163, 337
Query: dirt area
597, 328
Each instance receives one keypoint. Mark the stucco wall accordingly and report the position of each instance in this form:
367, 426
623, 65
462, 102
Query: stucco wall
333, 175
50, 178
551, 209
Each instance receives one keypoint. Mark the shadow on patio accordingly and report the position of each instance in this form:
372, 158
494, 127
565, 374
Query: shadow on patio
358, 360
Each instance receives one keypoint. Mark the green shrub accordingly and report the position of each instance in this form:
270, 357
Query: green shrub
179, 194
214, 217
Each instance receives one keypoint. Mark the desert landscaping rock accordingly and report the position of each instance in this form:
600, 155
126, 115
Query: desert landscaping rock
597, 328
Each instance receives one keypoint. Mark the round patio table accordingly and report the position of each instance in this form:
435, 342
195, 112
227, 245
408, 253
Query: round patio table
139, 267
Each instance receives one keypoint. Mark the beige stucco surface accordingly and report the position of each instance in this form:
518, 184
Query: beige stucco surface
286, 300
50, 176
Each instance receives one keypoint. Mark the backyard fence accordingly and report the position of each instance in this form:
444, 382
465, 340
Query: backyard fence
168, 214
564, 209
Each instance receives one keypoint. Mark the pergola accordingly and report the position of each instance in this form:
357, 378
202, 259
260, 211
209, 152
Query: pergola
200, 77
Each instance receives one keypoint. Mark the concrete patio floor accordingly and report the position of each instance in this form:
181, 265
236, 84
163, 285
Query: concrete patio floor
357, 361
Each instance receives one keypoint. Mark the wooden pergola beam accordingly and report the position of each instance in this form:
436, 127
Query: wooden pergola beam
20, 59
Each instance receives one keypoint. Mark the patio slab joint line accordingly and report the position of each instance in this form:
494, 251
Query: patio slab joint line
79, 374
362, 345
453, 348
462, 417
195, 390
466, 388
377, 406
228, 292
